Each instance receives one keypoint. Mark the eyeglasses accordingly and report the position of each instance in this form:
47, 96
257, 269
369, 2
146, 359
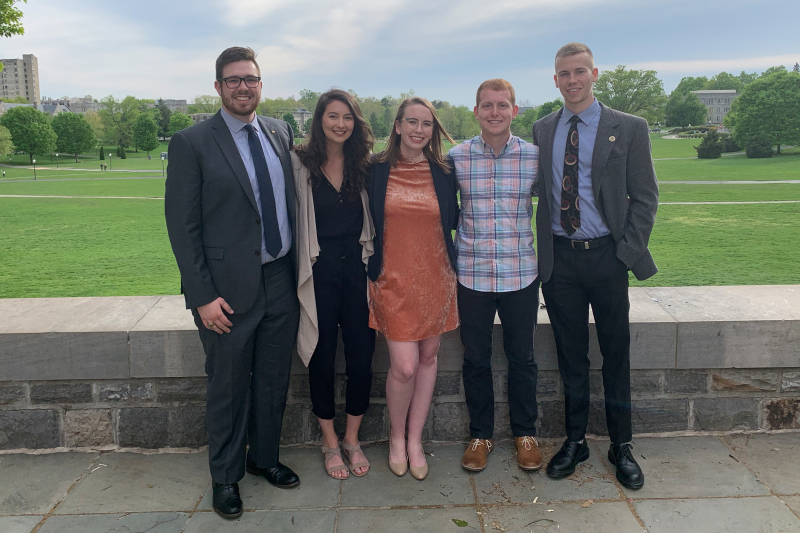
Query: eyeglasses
426, 124
233, 82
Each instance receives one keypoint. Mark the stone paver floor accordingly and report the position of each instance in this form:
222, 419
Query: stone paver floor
707, 484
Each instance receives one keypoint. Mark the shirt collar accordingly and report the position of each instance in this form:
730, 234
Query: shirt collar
586, 116
485, 148
234, 124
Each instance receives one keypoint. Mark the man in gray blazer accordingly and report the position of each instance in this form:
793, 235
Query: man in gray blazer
598, 196
230, 211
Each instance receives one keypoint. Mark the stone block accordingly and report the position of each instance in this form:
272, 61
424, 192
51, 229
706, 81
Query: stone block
88, 427
12, 395
447, 384
29, 428
548, 383
685, 381
125, 391
782, 413
298, 387
378, 389
744, 381
596, 389
725, 414
645, 382
166, 354
654, 332
597, 418
502, 422
373, 425
181, 390
790, 382
500, 386
160, 427
551, 419
292, 430
657, 416
450, 422
71, 393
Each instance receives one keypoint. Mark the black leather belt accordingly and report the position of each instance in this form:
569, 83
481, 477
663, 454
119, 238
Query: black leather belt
584, 245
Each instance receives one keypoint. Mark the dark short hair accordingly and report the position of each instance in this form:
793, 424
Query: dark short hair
233, 54
571, 49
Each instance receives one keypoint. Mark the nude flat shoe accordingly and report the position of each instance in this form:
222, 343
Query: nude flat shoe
419, 472
398, 469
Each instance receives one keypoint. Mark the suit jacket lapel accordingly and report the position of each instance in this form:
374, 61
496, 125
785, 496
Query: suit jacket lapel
225, 141
546, 152
286, 164
607, 135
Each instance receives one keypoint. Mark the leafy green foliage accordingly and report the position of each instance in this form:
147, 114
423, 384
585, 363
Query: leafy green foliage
769, 107
758, 147
205, 103
729, 145
684, 109
689, 84
75, 135
145, 133
118, 118
522, 125
162, 120
179, 121
548, 107
289, 119
6, 144
379, 129
710, 147
16, 100
638, 92
30, 130
10, 19
102, 153
724, 81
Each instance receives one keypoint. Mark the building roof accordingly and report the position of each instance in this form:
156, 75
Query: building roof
716, 91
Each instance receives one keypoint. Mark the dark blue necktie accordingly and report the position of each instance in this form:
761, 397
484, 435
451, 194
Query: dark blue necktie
269, 212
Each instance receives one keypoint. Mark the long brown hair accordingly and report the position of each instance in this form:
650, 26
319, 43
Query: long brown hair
313, 152
433, 150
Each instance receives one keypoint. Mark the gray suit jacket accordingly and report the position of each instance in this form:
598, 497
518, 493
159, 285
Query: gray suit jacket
212, 219
624, 185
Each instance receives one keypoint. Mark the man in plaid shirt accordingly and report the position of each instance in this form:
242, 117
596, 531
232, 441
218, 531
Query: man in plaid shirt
497, 272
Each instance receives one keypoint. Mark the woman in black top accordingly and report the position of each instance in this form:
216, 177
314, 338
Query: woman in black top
331, 178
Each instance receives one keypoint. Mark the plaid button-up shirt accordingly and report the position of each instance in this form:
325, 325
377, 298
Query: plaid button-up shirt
494, 243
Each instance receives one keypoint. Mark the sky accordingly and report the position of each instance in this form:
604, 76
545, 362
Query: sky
441, 49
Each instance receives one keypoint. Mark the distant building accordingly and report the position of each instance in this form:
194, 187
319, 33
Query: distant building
20, 77
300, 115
53, 109
176, 105
82, 105
5, 106
718, 103
197, 118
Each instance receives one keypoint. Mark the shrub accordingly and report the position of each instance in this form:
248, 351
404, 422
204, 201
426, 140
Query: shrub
710, 147
729, 145
758, 146
102, 153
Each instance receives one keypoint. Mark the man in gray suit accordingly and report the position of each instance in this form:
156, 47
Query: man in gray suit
598, 196
230, 210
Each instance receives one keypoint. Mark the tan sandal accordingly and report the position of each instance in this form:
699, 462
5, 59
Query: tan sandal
350, 451
327, 454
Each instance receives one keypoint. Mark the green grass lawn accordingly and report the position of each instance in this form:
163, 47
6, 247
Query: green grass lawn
664, 148
96, 187
677, 192
731, 168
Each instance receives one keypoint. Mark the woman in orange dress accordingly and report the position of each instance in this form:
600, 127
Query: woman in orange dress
412, 275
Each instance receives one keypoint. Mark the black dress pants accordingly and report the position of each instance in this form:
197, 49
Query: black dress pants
518, 313
248, 375
340, 287
598, 278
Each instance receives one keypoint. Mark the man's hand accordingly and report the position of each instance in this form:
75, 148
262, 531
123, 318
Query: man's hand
214, 317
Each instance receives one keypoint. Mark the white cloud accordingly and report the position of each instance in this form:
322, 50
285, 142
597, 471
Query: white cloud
734, 65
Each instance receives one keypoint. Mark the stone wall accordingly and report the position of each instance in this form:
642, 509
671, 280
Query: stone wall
128, 372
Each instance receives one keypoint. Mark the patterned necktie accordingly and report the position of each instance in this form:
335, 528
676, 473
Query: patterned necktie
570, 205
269, 211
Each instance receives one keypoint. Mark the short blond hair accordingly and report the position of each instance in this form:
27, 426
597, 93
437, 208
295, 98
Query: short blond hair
571, 49
496, 84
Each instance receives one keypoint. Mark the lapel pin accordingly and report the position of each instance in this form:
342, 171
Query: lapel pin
612, 138
273, 131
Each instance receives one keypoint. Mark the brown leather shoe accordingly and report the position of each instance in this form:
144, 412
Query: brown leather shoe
528, 455
476, 454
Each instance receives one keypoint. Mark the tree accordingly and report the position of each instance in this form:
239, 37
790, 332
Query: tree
379, 129
164, 114
521, 126
308, 99
724, 81
118, 118
796, 67
179, 121
16, 100
145, 132
769, 107
6, 144
205, 103
758, 147
96, 122
548, 107
710, 147
75, 135
289, 119
689, 84
685, 109
10, 19
772, 70
102, 153
638, 92
30, 130
747, 77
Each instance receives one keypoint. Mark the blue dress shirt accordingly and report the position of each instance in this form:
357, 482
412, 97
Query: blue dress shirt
592, 225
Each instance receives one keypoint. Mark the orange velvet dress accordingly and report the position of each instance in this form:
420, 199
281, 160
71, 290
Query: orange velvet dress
414, 297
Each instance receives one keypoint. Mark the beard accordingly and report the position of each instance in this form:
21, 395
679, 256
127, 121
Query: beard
241, 108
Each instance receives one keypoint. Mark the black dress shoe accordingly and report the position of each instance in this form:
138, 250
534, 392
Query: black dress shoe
226, 501
629, 474
567, 458
281, 476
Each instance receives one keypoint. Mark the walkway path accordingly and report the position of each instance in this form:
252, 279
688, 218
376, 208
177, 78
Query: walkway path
701, 484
